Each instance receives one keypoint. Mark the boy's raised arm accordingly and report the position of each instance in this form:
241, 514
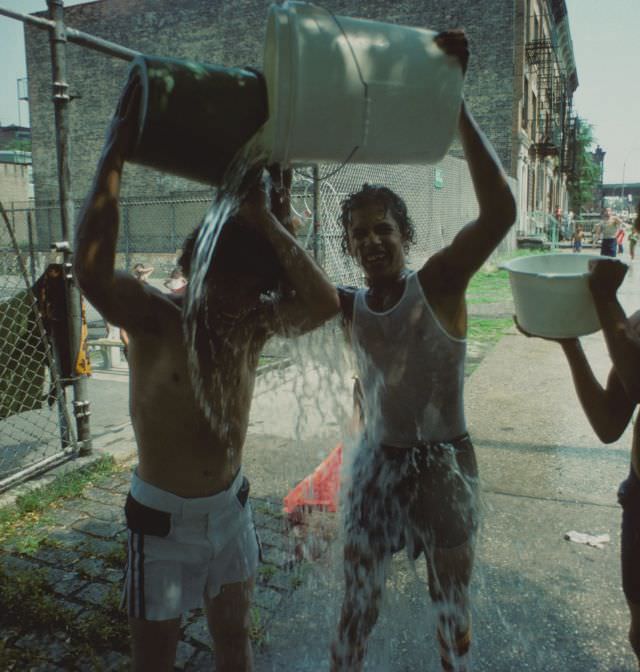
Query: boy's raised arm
315, 299
117, 295
475, 242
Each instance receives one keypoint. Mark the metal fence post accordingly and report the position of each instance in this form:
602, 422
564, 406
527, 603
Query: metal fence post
316, 210
174, 225
32, 250
58, 40
127, 236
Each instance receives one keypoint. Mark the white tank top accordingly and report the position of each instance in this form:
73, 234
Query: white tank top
411, 369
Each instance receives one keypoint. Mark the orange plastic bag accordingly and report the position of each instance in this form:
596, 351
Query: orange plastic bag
318, 491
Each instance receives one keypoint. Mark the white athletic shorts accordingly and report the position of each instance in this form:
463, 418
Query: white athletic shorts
181, 550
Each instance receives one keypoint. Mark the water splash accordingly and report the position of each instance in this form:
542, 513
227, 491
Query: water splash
200, 340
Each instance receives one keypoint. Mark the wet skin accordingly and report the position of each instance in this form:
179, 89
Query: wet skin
180, 450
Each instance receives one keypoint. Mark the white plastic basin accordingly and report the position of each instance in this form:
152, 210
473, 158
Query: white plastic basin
551, 294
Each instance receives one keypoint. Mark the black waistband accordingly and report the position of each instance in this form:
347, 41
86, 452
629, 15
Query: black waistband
398, 451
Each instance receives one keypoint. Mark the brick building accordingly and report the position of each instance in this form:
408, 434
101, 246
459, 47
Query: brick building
15, 178
519, 83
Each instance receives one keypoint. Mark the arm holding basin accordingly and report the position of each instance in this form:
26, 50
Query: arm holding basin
622, 334
609, 408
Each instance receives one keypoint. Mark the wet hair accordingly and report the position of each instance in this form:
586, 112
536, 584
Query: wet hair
390, 201
240, 248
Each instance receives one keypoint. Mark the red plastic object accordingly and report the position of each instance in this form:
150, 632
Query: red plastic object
319, 490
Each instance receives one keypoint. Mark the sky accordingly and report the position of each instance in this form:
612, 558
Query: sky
606, 42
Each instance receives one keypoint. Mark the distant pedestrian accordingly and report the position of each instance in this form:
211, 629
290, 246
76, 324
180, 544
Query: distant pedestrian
142, 272
634, 234
620, 236
577, 238
607, 230
176, 283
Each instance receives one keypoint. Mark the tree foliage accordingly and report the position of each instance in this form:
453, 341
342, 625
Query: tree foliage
585, 177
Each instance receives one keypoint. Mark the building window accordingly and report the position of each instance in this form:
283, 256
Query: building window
525, 104
534, 117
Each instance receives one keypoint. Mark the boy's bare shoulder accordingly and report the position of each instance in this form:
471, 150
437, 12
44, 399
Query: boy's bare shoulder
156, 314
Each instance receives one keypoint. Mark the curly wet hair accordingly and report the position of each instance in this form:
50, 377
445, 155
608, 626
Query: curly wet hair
392, 203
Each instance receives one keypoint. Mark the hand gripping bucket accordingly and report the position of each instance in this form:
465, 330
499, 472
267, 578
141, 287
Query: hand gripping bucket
348, 89
194, 117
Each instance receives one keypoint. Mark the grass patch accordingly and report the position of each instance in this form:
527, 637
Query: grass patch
491, 284
266, 572
257, 628
19, 523
488, 330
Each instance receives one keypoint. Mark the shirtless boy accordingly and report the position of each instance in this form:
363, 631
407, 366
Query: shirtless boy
414, 475
191, 536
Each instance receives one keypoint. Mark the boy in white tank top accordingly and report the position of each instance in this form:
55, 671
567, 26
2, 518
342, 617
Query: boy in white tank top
414, 477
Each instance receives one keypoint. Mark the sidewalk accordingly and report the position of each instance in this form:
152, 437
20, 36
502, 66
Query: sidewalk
541, 603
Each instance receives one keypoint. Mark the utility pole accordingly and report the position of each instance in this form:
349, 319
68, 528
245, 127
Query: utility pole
58, 42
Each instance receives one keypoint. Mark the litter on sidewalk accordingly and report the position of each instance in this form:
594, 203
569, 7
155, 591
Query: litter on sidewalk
595, 540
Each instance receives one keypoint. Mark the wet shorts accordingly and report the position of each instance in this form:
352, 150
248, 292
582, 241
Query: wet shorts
421, 498
183, 550
629, 498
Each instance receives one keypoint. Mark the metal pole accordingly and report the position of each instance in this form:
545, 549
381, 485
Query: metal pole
127, 235
316, 210
73, 35
32, 249
58, 42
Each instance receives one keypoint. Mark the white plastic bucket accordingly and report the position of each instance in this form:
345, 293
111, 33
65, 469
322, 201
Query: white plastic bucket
551, 294
343, 89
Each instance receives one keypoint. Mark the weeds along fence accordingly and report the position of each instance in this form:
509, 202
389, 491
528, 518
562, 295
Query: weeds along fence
440, 200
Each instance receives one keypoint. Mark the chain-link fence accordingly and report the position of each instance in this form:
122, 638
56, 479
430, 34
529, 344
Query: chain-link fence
440, 200
35, 432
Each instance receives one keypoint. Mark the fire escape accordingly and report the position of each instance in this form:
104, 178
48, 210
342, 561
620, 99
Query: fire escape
552, 121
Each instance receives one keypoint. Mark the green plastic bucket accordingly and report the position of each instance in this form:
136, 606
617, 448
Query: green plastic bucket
194, 117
